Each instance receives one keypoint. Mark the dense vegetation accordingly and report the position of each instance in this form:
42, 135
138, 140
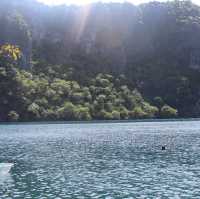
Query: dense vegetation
102, 61
54, 95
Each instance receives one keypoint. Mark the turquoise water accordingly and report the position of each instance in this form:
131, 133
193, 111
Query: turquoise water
105, 160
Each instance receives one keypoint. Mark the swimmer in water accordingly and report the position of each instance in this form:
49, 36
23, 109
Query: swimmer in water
163, 148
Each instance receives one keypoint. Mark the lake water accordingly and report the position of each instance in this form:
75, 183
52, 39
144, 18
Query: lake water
102, 160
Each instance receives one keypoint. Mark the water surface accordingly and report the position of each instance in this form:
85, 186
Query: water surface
105, 160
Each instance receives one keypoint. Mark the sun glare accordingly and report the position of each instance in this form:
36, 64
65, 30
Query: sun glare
58, 2
82, 2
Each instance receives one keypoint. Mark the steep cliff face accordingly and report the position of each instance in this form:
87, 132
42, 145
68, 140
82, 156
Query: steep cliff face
115, 34
15, 30
112, 36
99, 33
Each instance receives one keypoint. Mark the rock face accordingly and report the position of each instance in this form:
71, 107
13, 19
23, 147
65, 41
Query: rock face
111, 36
195, 59
16, 31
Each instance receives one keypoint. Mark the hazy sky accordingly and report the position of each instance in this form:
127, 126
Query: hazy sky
56, 2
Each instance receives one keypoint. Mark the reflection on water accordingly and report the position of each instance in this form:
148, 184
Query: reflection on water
101, 160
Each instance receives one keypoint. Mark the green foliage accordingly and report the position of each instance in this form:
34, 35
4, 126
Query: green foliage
116, 115
168, 112
61, 87
67, 111
34, 111
124, 113
151, 111
13, 116
137, 113
158, 101
10, 52
39, 96
82, 113
77, 97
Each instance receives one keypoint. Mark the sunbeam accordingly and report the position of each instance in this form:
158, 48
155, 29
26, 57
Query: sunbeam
82, 2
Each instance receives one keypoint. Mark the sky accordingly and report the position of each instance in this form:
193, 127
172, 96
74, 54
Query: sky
82, 2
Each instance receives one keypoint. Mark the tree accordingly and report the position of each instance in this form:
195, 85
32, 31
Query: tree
158, 101
77, 98
13, 116
116, 115
82, 113
137, 113
11, 97
151, 111
67, 111
124, 113
168, 112
34, 111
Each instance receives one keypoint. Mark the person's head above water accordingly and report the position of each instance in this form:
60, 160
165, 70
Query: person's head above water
163, 147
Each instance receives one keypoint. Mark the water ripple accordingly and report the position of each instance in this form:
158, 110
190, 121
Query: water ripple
101, 161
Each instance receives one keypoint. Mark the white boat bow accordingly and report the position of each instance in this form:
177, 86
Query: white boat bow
5, 168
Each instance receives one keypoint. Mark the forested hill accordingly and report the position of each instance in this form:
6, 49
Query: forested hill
100, 61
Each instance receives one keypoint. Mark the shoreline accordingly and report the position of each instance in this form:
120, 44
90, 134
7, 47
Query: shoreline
100, 121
